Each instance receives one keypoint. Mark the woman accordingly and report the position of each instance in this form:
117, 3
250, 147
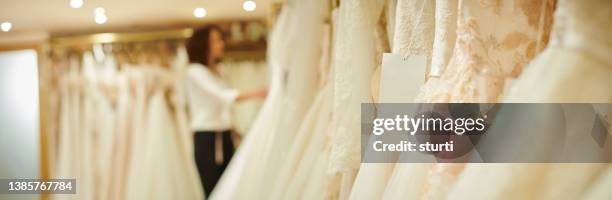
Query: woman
210, 100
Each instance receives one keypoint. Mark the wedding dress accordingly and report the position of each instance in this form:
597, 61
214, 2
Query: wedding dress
68, 142
169, 173
184, 134
445, 35
124, 120
135, 184
601, 188
100, 121
52, 107
161, 171
580, 39
413, 35
300, 89
106, 127
444, 43
484, 56
138, 150
582, 50
88, 121
292, 57
354, 63
310, 140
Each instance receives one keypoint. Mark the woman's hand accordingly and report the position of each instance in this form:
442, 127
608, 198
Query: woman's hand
262, 92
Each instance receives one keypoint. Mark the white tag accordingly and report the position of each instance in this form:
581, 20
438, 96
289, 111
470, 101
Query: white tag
401, 80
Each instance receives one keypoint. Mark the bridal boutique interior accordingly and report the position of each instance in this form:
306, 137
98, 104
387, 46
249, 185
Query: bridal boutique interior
113, 108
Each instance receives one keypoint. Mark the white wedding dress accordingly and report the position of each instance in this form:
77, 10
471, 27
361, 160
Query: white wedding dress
310, 141
178, 101
300, 89
160, 169
100, 122
68, 154
293, 57
137, 140
124, 117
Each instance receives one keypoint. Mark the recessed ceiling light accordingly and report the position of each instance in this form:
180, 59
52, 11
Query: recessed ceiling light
100, 15
199, 12
99, 10
76, 3
100, 19
249, 6
6, 26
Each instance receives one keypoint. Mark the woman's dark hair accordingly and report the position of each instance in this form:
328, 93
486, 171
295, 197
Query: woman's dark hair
198, 46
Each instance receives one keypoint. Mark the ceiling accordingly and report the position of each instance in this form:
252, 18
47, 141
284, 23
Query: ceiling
56, 17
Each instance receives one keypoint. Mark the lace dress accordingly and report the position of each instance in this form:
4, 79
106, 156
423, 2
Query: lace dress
580, 41
483, 58
413, 35
485, 54
581, 47
354, 62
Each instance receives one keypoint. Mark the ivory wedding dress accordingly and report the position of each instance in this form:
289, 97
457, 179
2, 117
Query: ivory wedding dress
300, 90
160, 170
580, 41
582, 50
601, 188
292, 91
310, 140
484, 56
413, 35
124, 117
354, 62
68, 142
301, 164
444, 43
137, 139
52, 77
184, 134
100, 121
233, 182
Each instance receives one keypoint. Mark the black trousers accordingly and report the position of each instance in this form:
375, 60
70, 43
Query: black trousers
213, 151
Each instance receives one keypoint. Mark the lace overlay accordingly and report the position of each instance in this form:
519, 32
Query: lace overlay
445, 35
354, 62
581, 47
579, 38
486, 54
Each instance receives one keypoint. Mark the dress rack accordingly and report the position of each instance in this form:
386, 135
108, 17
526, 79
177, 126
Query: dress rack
78, 41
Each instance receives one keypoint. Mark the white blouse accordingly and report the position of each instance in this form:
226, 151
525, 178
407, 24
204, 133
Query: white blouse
209, 99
